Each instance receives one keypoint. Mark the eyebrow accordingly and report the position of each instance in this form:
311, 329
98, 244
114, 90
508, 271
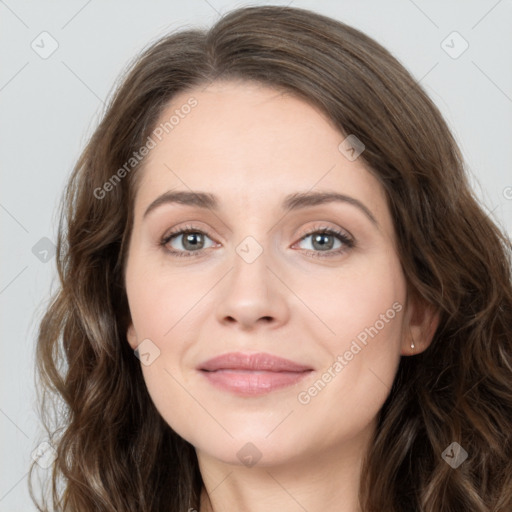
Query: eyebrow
291, 202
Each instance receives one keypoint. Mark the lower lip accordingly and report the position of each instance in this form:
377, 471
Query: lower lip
251, 382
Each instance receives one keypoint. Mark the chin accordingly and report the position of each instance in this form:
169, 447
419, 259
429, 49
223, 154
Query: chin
250, 445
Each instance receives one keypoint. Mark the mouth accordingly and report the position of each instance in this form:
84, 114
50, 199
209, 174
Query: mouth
252, 374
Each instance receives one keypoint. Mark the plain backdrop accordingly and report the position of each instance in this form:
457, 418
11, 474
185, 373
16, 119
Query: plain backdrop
51, 102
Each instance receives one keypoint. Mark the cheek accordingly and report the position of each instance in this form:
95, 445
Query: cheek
364, 310
160, 300
163, 305
363, 360
362, 301
370, 309
161, 313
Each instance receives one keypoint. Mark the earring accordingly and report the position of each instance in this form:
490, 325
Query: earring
412, 344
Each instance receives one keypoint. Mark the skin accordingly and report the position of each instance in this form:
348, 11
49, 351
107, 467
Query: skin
251, 145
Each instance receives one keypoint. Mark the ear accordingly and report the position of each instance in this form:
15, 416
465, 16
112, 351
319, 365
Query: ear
421, 322
131, 336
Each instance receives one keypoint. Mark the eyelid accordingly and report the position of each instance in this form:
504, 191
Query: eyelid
324, 227
188, 227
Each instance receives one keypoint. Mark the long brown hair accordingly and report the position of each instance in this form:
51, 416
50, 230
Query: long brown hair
114, 451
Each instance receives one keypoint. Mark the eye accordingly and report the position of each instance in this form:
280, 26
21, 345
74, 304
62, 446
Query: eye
188, 241
192, 241
324, 240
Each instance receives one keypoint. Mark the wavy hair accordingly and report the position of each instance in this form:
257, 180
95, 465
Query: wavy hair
114, 452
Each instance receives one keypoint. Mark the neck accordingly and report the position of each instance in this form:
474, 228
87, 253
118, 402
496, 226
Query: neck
327, 480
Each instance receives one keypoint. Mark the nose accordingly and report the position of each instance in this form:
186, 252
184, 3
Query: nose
253, 295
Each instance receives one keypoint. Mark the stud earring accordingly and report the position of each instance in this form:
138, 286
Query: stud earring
412, 344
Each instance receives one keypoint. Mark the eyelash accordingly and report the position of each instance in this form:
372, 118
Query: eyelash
348, 242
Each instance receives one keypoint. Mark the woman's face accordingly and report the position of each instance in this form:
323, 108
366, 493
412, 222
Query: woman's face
256, 277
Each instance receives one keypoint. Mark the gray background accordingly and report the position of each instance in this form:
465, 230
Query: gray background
50, 106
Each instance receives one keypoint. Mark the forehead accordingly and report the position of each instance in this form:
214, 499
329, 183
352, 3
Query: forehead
250, 144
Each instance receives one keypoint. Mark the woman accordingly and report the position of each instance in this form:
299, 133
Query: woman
278, 290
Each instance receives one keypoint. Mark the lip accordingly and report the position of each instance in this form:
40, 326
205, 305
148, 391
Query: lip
252, 374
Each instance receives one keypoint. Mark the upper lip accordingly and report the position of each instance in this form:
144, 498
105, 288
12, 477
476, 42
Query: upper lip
256, 362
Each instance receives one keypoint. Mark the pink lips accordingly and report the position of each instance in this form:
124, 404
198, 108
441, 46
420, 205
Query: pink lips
252, 374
